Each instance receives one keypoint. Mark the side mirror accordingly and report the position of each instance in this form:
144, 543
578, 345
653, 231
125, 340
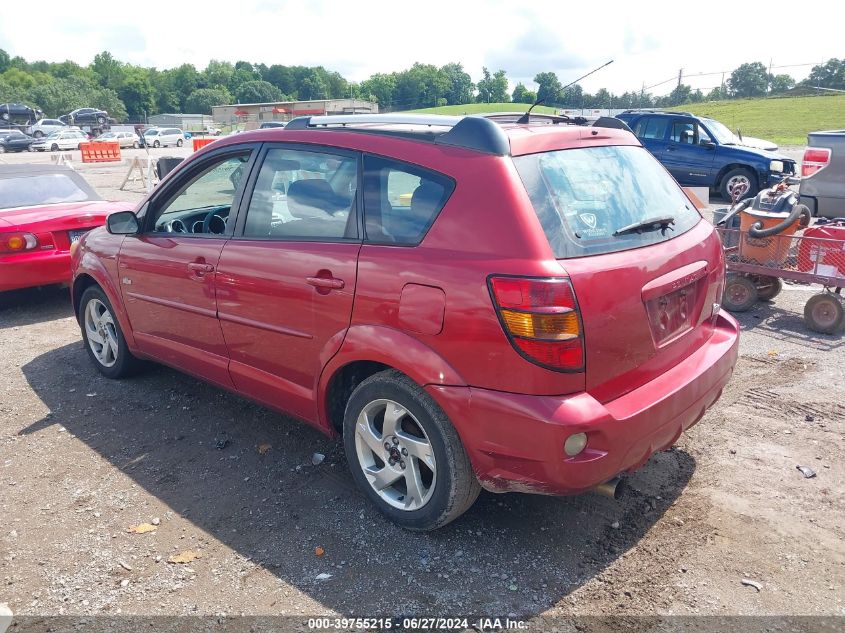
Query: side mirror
707, 144
122, 223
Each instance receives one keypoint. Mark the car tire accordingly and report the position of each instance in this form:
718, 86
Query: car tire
135, 145
110, 355
156, 144
38, 134
101, 119
54, 148
738, 176
825, 313
740, 293
424, 452
179, 143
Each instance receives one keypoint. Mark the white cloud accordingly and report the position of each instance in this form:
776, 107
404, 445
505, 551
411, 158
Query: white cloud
648, 40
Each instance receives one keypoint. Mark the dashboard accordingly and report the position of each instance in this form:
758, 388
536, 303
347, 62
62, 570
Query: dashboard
203, 221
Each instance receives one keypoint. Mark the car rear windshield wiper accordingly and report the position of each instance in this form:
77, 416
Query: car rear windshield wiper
650, 224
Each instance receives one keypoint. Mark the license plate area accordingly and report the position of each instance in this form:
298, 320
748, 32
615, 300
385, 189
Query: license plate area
671, 315
74, 236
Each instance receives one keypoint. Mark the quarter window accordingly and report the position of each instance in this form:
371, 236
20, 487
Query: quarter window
303, 194
203, 205
401, 201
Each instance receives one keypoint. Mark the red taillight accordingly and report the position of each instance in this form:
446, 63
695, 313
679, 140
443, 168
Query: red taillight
541, 319
815, 159
17, 242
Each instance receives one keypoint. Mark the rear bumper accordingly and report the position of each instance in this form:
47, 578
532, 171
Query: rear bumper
516, 441
37, 269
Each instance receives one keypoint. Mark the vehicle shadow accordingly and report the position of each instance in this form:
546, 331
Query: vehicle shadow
34, 305
244, 475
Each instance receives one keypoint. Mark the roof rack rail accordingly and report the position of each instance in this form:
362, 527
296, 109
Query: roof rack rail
657, 111
470, 132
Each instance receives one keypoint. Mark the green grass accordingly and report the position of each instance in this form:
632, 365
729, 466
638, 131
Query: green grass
478, 108
786, 121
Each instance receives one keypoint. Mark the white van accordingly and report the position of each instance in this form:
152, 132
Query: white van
164, 136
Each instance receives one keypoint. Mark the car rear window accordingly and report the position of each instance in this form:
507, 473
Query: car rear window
37, 190
583, 196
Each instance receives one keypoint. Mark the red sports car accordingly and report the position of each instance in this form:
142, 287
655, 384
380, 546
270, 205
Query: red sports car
43, 210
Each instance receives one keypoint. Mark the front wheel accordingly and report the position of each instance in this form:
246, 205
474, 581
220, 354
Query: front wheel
103, 337
38, 134
738, 178
824, 313
405, 455
2, 149
156, 144
179, 143
135, 145
54, 148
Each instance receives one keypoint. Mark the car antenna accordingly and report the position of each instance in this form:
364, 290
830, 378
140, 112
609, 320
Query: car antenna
525, 117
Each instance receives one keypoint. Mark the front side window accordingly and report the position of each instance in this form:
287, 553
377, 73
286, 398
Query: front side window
598, 200
683, 132
304, 194
203, 205
401, 201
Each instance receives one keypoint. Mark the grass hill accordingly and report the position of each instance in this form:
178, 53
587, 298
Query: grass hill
784, 120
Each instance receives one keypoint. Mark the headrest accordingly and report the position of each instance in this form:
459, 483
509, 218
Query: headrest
312, 198
426, 197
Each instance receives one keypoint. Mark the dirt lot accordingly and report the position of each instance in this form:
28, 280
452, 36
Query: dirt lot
233, 485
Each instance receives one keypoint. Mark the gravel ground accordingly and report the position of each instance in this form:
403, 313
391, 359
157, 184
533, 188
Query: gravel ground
231, 489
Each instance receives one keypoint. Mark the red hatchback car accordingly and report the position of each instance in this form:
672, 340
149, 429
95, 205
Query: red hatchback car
528, 307
43, 210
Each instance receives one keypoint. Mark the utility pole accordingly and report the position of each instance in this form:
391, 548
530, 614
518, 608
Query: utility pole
680, 76
769, 78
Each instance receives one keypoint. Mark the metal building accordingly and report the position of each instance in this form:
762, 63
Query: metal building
251, 115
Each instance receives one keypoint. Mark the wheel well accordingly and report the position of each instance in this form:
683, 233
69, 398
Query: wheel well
343, 383
80, 285
727, 168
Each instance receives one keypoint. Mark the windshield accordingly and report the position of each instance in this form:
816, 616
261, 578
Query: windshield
27, 191
723, 135
583, 196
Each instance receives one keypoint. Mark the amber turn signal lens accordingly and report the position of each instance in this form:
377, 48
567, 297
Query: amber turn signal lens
560, 326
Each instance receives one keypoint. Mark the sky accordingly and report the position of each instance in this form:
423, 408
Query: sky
649, 42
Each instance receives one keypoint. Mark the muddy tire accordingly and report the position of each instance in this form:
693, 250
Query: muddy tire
824, 313
405, 455
768, 287
740, 294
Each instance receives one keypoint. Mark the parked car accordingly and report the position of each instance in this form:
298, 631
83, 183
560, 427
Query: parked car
125, 139
162, 137
19, 113
43, 127
528, 308
67, 139
14, 141
702, 152
86, 116
43, 210
822, 186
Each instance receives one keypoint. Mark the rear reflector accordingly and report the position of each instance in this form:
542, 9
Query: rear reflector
541, 319
815, 159
17, 242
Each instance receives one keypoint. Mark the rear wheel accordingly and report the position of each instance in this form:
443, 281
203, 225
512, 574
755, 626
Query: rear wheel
179, 143
38, 134
405, 455
103, 337
740, 293
824, 313
135, 144
739, 177
768, 287
54, 148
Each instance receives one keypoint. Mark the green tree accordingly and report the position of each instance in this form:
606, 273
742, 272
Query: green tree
313, 87
718, 93
831, 74
239, 77
5, 61
548, 88
500, 87
136, 92
521, 94
258, 92
420, 87
201, 100
109, 71
485, 87
779, 84
460, 86
381, 87
218, 73
281, 77
749, 80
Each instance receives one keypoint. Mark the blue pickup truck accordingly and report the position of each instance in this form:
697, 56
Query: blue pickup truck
701, 152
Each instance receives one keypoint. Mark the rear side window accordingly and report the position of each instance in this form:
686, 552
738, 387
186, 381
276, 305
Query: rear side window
401, 201
583, 197
651, 127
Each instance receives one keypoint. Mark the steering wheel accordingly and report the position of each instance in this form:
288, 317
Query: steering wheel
206, 223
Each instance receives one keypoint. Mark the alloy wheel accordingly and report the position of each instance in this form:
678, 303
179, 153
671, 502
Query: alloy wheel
395, 455
100, 332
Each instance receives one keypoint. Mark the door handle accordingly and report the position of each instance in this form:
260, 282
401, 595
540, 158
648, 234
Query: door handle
329, 283
670, 148
196, 267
